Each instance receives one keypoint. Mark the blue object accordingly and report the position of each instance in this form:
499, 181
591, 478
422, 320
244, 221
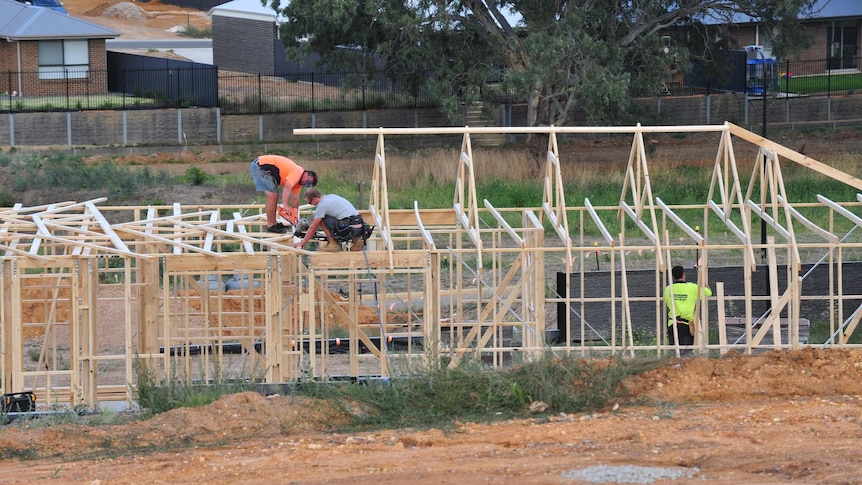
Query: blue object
760, 71
54, 5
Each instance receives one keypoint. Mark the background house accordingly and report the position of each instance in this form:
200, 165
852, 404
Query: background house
835, 25
246, 38
47, 52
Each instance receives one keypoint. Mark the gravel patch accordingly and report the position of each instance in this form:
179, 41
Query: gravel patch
626, 474
125, 11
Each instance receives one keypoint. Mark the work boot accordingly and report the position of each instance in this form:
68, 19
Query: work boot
277, 228
331, 246
356, 243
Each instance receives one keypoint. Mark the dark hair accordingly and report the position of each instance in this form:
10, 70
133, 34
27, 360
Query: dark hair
677, 272
312, 177
310, 194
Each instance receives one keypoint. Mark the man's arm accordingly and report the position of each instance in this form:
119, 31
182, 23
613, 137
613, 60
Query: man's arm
287, 197
290, 204
309, 233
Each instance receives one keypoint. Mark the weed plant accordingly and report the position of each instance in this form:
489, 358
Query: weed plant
155, 396
197, 33
819, 333
62, 171
472, 392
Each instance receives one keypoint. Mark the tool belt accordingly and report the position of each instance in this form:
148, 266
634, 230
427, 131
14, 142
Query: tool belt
350, 221
350, 227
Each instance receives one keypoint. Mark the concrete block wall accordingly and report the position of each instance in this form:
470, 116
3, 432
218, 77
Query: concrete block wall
193, 127
207, 126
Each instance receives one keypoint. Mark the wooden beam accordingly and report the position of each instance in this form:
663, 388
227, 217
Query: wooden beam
356, 260
795, 156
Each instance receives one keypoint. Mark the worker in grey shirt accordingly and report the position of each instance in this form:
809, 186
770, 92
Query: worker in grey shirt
338, 219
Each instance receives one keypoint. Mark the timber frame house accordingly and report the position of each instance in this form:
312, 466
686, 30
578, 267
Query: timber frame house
203, 293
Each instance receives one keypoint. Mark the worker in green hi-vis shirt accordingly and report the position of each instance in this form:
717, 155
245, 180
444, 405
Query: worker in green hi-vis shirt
681, 298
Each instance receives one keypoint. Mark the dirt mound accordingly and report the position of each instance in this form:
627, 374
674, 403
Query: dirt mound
770, 375
142, 20
237, 416
777, 417
95, 11
125, 11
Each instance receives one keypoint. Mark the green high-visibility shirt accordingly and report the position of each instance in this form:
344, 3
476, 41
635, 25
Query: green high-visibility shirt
684, 298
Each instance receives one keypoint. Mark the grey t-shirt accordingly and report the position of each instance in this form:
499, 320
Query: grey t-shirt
334, 205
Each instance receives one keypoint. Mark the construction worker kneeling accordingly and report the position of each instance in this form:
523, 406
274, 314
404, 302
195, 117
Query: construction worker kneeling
338, 219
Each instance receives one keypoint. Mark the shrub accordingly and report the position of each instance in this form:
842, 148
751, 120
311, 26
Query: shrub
196, 176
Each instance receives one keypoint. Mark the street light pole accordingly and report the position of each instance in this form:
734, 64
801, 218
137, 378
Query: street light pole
762, 219
763, 134
763, 57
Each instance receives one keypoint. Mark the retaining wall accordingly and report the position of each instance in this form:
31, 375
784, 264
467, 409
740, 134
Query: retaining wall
207, 126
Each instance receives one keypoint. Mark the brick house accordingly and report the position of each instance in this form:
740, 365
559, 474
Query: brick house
835, 25
45, 53
246, 38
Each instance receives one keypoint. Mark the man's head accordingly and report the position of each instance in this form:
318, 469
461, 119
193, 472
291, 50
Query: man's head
308, 179
311, 195
678, 273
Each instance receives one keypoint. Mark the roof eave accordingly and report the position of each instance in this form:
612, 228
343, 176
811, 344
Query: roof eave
55, 37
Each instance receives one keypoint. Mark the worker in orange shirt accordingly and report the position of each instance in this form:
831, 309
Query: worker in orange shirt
270, 172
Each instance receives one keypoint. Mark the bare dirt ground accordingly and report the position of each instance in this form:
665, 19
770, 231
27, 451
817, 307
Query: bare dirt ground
139, 20
773, 418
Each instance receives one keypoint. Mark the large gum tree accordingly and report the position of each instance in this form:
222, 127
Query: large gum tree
558, 56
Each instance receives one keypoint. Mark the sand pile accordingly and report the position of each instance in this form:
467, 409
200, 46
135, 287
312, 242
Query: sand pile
125, 11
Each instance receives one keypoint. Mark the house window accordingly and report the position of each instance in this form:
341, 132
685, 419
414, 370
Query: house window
64, 59
842, 47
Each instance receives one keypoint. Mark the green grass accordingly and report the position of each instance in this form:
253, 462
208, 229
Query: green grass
60, 173
72, 102
820, 84
436, 397
819, 333
197, 33
70, 173
472, 392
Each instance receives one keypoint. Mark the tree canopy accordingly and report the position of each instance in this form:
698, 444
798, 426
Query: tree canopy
558, 56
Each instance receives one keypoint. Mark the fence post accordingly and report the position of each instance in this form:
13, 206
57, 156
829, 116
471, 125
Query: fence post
708, 109
828, 93
787, 91
89, 78
313, 111
66, 76
123, 86
259, 108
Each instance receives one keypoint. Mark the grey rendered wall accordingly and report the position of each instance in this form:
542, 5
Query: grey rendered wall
243, 45
193, 126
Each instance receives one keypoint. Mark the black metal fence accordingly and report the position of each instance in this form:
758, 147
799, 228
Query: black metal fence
199, 85
820, 77
312, 92
120, 89
178, 84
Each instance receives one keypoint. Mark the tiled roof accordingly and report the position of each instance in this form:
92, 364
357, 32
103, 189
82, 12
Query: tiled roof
23, 22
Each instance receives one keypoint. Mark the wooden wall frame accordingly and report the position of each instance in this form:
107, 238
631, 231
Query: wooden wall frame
83, 301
